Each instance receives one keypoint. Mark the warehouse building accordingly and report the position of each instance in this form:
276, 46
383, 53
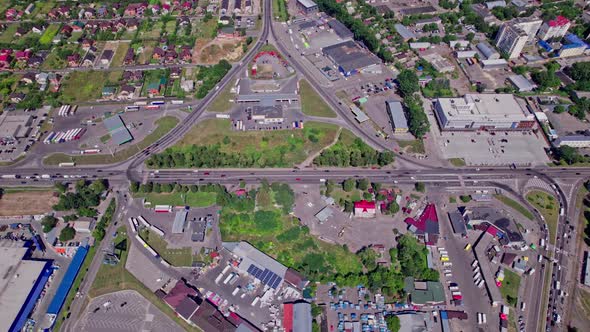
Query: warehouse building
482, 112
424, 293
15, 126
488, 51
257, 264
297, 316
179, 222
439, 63
21, 285
521, 83
404, 32
268, 114
575, 141
119, 132
351, 58
340, 29
397, 117
307, 6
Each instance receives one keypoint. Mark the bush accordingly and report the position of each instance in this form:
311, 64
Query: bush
465, 198
48, 223
67, 234
419, 186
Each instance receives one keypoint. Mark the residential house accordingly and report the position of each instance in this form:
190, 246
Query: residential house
165, 9
55, 81
20, 31
106, 57
64, 11
87, 43
175, 72
127, 92
30, 8
135, 9
28, 78
88, 60
108, 91
17, 97
89, 13
42, 78
171, 55
132, 24
5, 58
133, 76
186, 54
102, 11
155, 88
129, 57
35, 61
183, 21
365, 209
228, 32
67, 30
158, 53
77, 26
23, 55
38, 28
13, 14
73, 60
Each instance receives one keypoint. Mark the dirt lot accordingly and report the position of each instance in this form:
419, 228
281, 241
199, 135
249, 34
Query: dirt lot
26, 203
213, 51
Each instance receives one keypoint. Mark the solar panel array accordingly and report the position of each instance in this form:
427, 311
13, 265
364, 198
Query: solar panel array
265, 276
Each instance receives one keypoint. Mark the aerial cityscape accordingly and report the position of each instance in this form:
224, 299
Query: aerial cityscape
295, 165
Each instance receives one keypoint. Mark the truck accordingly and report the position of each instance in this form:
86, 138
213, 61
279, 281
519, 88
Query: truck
480, 284
474, 263
236, 290
10, 176
45, 176
228, 278
70, 164
561, 211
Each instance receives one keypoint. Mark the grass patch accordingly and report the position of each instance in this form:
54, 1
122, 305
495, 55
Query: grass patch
515, 205
105, 138
8, 35
339, 194
222, 102
311, 103
279, 10
24, 201
81, 86
510, 285
198, 199
205, 30
49, 33
277, 148
110, 279
457, 162
176, 257
165, 124
120, 54
548, 206
413, 146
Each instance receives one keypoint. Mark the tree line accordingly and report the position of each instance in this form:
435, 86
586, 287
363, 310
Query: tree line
356, 154
85, 198
408, 83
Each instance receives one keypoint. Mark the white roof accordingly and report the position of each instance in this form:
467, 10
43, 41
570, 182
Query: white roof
251, 255
522, 83
179, 220
488, 106
307, 3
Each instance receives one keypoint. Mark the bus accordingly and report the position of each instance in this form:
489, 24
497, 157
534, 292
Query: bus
131, 108
70, 164
152, 107
140, 103
177, 102
157, 102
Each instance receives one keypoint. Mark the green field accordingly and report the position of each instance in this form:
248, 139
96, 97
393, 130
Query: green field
81, 86
311, 103
205, 30
120, 54
413, 146
8, 35
510, 285
515, 205
176, 257
457, 162
49, 33
222, 103
110, 279
165, 124
279, 10
198, 199
548, 206
277, 148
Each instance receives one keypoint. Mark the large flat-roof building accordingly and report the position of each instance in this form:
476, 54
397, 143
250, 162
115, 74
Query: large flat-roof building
340, 29
119, 132
351, 58
423, 293
482, 112
268, 114
21, 285
397, 117
307, 6
575, 141
15, 126
522, 83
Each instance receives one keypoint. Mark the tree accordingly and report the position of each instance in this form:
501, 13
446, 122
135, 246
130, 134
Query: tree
465, 198
408, 82
67, 234
392, 208
393, 323
367, 196
48, 223
134, 187
470, 36
348, 185
567, 154
362, 184
348, 206
419, 186
559, 109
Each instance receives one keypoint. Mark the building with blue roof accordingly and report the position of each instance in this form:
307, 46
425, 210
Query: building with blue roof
574, 47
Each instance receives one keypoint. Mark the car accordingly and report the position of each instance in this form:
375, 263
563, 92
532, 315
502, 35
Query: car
297, 179
206, 173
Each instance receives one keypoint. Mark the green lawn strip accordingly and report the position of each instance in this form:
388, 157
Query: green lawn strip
197, 199
12, 190
413, 146
111, 279
222, 103
510, 285
165, 124
105, 138
457, 162
80, 86
176, 257
311, 103
545, 295
49, 33
515, 205
548, 206
12, 162
8, 35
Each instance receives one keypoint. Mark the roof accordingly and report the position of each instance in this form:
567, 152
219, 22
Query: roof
508, 258
296, 279
431, 292
19, 277
67, 281
177, 294
208, 318
269, 112
358, 114
482, 106
522, 83
350, 56
340, 29
117, 129
364, 205
457, 222
324, 214
427, 223
404, 32
257, 263
187, 307
302, 317
307, 3
558, 21
418, 10
487, 50
179, 220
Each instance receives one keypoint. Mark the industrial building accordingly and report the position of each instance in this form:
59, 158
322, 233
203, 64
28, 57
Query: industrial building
119, 132
494, 64
404, 32
307, 6
351, 58
268, 114
21, 285
482, 112
422, 293
521, 83
15, 126
340, 29
179, 222
397, 116
575, 141
297, 316
488, 51
555, 28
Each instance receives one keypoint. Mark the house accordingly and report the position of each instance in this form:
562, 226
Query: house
183, 21
129, 57
23, 55
13, 14
87, 43
64, 11
171, 55
67, 30
88, 60
55, 81
135, 9
228, 32
133, 75
17, 97
108, 91
28, 78
132, 24
127, 92
426, 227
175, 72
106, 57
89, 13
5, 59
154, 88
30, 8
158, 53
365, 209
38, 28
186, 54
20, 31
35, 61
73, 60
77, 26
42, 78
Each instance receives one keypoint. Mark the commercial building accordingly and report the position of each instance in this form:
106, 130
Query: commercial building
555, 28
425, 227
268, 114
496, 223
439, 63
119, 132
482, 112
488, 51
404, 32
494, 64
521, 83
422, 293
511, 39
307, 6
575, 141
340, 29
574, 47
324, 214
297, 317
179, 222
21, 285
351, 58
395, 110
256, 263
15, 126
365, 209
586, 267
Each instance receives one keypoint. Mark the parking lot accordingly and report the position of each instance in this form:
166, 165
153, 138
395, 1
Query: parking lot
124, 311
13, 145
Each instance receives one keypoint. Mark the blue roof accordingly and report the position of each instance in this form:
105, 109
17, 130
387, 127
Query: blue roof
573, 39
545, 45
67, 281
27, 308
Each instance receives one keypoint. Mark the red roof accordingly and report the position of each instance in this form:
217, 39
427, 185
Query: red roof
178, 293
288, 317
241, 192
558, 21
4, 57
428, 216
364, 205
492, 230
